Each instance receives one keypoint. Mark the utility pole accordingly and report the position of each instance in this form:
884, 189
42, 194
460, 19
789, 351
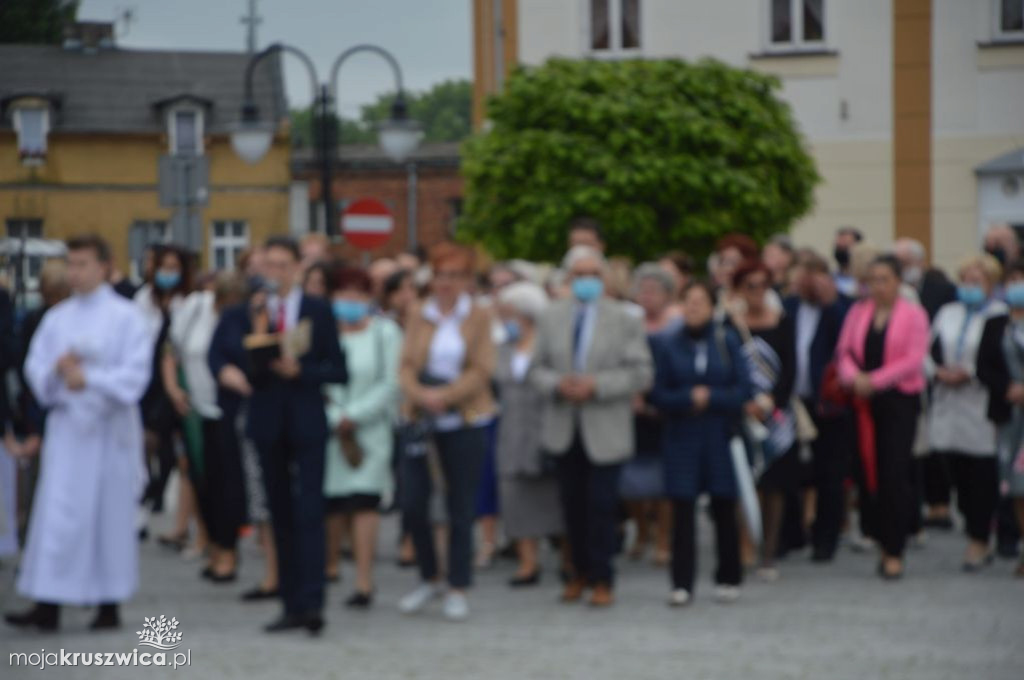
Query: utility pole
251, 21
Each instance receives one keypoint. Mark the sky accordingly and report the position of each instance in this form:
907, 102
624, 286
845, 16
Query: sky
431, 39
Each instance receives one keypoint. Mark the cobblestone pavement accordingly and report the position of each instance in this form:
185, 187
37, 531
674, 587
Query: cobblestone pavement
837, 622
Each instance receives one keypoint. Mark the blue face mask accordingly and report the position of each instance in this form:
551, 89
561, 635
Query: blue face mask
1015, 295
587, 288
350, 311
513, 330
166, 280
972, 296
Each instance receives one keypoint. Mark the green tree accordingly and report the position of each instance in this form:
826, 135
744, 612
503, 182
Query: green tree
35, 21
666, 154
444, 110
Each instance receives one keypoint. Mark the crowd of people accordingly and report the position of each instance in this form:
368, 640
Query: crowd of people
589, 406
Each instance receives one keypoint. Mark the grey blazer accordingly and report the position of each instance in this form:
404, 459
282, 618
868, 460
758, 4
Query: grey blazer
518, 445
619, 359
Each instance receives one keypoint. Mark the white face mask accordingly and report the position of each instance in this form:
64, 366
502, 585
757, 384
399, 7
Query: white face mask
912, 275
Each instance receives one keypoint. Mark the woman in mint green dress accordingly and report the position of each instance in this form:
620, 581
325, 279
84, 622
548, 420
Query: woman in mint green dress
357, 474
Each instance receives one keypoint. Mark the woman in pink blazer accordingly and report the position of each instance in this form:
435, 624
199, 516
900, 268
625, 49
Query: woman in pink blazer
880, 356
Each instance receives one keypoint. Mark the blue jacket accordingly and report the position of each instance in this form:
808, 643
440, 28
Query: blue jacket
278, 408
695, 445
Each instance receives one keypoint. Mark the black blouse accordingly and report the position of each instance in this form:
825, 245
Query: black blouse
874, 347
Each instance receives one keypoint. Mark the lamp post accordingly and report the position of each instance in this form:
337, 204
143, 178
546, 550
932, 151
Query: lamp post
398, 136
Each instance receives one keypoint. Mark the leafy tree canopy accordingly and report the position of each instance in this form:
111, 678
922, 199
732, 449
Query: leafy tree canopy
444, 110
665, 154
35, 21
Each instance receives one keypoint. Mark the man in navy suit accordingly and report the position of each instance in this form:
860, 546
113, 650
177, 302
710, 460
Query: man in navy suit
818, 311
287, 422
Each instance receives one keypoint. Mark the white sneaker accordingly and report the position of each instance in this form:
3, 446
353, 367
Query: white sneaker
680, 597
767, 574
727, 594
419, 598
456, 606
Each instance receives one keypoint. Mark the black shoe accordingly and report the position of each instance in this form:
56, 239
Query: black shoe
107, 618
206, 573
45, 617
214, 577
974, 567
332, 578
314, 623
406, 563
256, 594
360, 600
524, 581
175, 543
284, 623
940, 523
889, 575
822, 555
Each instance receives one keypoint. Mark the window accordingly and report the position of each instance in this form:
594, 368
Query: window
186, 131
143, 235
614, 25
1009, 19
27, 267
32, 125
796, 24
227, 241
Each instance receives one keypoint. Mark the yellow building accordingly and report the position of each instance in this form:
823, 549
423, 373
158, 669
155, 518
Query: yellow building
89, 134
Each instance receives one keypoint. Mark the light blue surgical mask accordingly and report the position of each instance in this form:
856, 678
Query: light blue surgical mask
165, 280
1015, 295
513, 330
587, 288
350, 311
971, 296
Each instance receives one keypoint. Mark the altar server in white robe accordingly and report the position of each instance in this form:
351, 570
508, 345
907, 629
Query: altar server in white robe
88, 364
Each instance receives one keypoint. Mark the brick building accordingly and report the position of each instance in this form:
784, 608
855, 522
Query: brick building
424, 193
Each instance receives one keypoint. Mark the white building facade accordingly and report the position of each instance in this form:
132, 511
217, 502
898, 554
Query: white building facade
897, 116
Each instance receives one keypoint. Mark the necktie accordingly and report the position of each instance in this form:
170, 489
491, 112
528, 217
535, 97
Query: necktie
282, 312
577, 334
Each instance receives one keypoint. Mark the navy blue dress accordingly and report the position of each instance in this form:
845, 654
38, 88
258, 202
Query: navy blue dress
695, 446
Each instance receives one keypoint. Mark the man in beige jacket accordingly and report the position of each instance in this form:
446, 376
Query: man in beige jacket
592, 358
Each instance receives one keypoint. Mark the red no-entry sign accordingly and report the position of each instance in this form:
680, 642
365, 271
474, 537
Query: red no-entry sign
367, 223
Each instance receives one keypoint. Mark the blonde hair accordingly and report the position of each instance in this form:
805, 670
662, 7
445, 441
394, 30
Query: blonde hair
862, 256
988, 265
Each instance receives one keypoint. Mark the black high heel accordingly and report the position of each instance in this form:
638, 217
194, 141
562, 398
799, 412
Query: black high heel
360, 600
525, 581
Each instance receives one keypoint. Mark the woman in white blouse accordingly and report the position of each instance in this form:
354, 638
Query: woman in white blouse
958, 425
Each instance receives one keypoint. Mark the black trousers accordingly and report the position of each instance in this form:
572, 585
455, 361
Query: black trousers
887, 513
222, 491
590, 504
684, 543
293, 475
935, 474
831, 455
461, 455
976, 479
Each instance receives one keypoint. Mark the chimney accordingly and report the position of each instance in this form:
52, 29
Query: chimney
89, 37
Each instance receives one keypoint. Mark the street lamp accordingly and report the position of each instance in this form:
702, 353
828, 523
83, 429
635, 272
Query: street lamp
398, 136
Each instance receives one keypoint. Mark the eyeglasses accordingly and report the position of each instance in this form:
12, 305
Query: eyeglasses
755, 285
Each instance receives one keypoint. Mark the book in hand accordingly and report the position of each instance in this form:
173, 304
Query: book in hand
264, 348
